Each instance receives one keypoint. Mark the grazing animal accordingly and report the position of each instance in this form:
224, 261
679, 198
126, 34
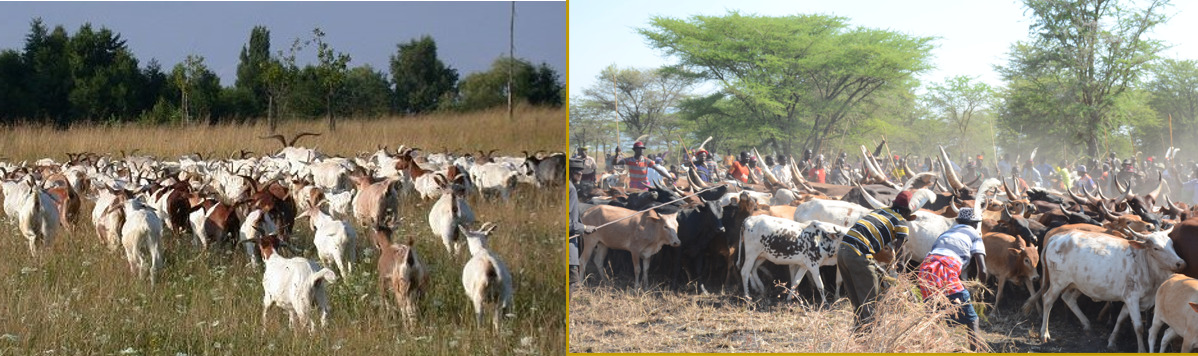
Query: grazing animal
334, 240
494, 178
375, 201
141, 235
448, 212
485, 277
1011, 259
642, 235
803, 246
257, 224
37, 218
401, 271
1105, 268
294, 284
1175, 306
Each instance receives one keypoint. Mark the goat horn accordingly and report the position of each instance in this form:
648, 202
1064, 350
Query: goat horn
301, 134
282, 140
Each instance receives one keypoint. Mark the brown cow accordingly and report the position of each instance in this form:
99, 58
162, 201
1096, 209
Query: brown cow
1185, 242
1175, 306
1011, 259
642, 235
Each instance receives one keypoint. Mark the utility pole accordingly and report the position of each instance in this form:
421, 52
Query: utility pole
511, 56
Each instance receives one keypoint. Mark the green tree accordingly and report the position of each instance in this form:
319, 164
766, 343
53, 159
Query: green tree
797, 76
332, 72
1082, 57
366, 93
197, 86
535, 85
1174, 93
422, 82
254, 62
645, 97
50, 82
15, 102
106, 79
280, 75
958, 100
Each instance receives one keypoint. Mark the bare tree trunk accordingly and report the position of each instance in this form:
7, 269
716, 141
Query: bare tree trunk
329, 111
270, 112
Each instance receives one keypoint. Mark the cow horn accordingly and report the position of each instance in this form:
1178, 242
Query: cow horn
1090, 194
952, 206
874, 203
1171, 205
1100, 195
925, 176
1007, 189
1006, 213
1076, 198
1133, 233
950, 174
938, 186
1160, 182
1106, 214
975, 180
694, 180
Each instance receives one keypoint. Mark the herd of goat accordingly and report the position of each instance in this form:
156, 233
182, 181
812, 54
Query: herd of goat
253, 202
1136, 247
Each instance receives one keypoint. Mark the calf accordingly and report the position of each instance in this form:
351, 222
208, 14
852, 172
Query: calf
1105, 268
803, 246
293, 284
1011, 259
448, 212
1175, 306
485, 277
335, 240
401, 271
642, 235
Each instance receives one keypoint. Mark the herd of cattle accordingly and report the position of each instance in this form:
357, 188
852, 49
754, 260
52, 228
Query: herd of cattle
253, 202
1136, 246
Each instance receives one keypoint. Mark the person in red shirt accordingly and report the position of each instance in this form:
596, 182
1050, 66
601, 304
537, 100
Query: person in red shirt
638, 166
817, 173
738, 170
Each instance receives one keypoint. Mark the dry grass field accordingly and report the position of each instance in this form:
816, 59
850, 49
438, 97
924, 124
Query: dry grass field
81, 299
614, 316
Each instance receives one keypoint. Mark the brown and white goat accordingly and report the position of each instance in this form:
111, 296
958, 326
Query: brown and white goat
400, 271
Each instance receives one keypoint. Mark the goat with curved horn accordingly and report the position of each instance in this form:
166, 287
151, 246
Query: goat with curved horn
301, 134
950, 174
282, 140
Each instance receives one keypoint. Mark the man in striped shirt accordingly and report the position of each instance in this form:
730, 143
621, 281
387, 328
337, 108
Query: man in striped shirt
639, 166
877, 234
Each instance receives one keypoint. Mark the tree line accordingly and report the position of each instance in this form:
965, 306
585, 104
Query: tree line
92, 76
1087, 81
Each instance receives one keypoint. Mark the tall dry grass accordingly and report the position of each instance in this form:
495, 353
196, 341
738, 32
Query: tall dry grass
80, 298
532, 129
609, 318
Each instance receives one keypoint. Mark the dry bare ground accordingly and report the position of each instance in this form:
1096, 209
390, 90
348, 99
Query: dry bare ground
614, 316
81, 298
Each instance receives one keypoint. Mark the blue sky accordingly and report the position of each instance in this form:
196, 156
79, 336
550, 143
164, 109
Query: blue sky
973, 35
469, 35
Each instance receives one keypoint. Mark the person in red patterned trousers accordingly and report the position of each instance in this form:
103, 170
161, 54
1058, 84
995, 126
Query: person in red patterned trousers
638, 166
940, 272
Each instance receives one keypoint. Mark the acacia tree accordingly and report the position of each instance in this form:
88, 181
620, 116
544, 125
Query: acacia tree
958, 99
1082, 57
645, 96
797, 76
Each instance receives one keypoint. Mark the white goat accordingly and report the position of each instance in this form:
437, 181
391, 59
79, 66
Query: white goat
335, 240
141, 233
37, 218
294, 284
486, 279
448, 212
492, 178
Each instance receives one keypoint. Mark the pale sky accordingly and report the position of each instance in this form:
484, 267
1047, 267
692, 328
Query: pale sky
469, 35
973, 35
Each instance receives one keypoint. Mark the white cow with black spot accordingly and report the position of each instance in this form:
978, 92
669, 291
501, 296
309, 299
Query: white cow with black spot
804, 246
